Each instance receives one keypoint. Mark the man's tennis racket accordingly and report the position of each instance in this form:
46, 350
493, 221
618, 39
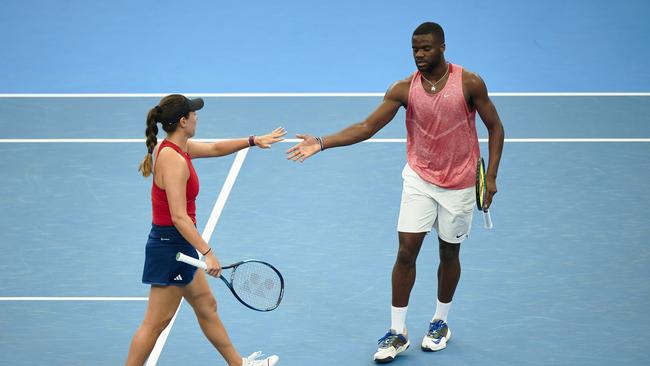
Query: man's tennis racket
481, 193
256, 284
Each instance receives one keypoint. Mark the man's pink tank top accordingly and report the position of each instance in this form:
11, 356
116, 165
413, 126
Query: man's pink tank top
441, 140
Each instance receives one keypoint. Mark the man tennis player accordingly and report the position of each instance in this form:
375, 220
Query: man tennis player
441, 101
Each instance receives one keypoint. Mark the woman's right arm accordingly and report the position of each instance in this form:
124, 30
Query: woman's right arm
174, 173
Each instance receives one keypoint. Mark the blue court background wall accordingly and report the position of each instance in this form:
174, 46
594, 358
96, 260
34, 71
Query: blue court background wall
316, 46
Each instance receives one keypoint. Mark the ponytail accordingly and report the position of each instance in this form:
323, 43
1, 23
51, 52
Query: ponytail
146, 166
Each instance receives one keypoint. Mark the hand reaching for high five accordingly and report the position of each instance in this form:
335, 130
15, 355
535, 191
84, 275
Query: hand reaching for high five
306, 148
265, 141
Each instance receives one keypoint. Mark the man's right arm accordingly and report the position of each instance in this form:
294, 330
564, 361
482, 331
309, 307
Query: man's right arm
385, 112
395, 97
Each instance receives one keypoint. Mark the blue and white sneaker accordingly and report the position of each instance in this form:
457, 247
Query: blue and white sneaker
437, 337
390, 345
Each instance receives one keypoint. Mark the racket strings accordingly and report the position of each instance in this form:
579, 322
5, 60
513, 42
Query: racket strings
257, 284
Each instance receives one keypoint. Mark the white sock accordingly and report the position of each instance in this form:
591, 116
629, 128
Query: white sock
398, 319
442, 310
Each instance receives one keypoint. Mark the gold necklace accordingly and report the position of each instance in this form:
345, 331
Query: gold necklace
433, 85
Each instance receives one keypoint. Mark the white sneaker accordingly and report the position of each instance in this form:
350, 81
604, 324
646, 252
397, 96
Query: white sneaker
437, 337
390, 345
252, 360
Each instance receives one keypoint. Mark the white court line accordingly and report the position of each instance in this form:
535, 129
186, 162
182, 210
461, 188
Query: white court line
300, 95
91, 140
223, 195
72, 298
615, 139
207, 233
379, 140
191, 95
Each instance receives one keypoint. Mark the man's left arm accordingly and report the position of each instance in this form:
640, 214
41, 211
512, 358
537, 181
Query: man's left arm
481, 101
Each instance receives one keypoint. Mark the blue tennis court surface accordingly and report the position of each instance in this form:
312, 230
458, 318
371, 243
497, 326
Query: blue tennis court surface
562, 279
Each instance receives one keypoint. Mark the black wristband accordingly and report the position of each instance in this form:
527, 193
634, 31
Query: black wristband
206, 252
320, 142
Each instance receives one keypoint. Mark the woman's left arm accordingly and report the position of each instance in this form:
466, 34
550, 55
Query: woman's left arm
227, 147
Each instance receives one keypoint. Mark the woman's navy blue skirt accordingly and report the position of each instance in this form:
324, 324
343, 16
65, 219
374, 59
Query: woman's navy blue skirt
160, 265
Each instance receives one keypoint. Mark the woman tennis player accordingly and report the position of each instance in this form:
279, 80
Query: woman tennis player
173, 194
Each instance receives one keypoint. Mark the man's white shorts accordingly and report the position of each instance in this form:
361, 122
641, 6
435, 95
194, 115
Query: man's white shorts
425, 206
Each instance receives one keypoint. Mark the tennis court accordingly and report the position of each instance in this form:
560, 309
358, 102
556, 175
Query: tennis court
561, 279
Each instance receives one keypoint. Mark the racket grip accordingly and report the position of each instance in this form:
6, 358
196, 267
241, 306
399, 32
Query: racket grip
190, 260
487, 220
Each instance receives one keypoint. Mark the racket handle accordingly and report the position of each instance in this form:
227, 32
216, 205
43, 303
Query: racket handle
487, 220
190, 260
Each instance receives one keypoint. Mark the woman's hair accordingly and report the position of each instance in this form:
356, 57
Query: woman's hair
169, 111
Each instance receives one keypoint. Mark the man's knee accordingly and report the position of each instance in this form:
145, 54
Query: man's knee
406, 257
409, 247
449, 252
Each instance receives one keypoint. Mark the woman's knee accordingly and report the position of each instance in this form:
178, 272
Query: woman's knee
204, 304
156, 326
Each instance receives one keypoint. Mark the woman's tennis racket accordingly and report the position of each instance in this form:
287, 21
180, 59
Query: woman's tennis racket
481, 192
256, 284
